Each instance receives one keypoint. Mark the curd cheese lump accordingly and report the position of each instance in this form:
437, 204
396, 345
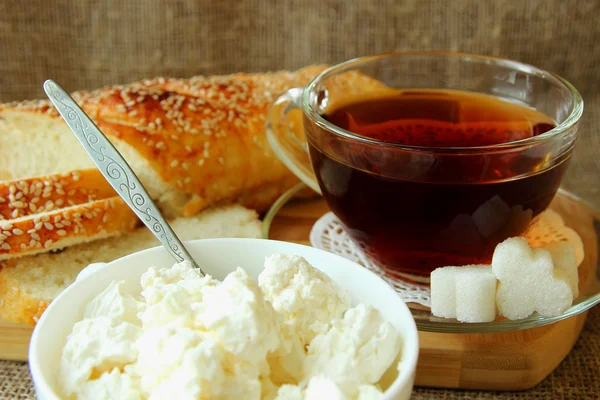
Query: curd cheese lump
355, 351
319, 388
180, 363
237, 315
204, 337
308, 299
102, 341
286, 362
111, 385
169, 293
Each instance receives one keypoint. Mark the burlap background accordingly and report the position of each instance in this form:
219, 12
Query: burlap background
85, 44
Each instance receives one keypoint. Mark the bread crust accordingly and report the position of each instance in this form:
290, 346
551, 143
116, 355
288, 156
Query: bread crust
204, 137
36, 195
59, 228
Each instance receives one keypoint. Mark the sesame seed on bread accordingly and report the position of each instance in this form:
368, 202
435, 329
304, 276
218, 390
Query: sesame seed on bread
57, 229
35, 195
51, 212
194, 142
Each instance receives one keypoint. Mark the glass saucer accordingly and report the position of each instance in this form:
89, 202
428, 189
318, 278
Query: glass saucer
292, 216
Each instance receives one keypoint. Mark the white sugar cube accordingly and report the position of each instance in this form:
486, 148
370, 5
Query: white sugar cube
443, 292
528, 281
476, 294
466, 293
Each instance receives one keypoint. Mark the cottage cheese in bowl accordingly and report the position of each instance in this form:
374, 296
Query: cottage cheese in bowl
263, 324
291, 335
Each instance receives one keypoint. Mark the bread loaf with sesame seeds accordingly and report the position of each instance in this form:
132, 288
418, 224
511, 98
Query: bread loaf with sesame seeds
194, 143
29, 284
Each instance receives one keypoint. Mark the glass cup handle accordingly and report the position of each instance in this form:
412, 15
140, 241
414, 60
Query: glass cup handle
284, 134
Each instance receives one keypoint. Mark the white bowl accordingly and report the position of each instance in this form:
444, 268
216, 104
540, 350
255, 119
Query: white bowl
217, 257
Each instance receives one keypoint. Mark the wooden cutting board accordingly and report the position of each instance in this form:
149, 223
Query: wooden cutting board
14, 341
515, 360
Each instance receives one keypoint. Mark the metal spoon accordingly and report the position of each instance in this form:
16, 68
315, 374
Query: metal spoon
116, 170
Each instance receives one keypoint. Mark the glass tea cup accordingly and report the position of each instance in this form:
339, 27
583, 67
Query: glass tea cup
414, 205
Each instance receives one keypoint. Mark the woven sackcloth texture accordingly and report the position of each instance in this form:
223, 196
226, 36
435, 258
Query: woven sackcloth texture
85, 44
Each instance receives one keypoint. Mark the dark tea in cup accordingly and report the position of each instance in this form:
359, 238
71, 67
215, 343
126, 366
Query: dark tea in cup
430, 159
451, 214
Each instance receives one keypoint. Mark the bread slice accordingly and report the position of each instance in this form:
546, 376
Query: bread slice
38, 194
45, 213
58, 229
29, 284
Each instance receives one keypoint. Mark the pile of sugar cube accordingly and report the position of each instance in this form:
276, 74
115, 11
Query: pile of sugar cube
534, 273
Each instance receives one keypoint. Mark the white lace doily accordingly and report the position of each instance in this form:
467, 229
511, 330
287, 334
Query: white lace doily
329, 234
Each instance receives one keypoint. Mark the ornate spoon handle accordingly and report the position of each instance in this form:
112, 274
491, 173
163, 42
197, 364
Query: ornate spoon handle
116, 170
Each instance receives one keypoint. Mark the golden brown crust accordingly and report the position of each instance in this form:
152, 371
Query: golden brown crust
203, 136
63, 227
23, 197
